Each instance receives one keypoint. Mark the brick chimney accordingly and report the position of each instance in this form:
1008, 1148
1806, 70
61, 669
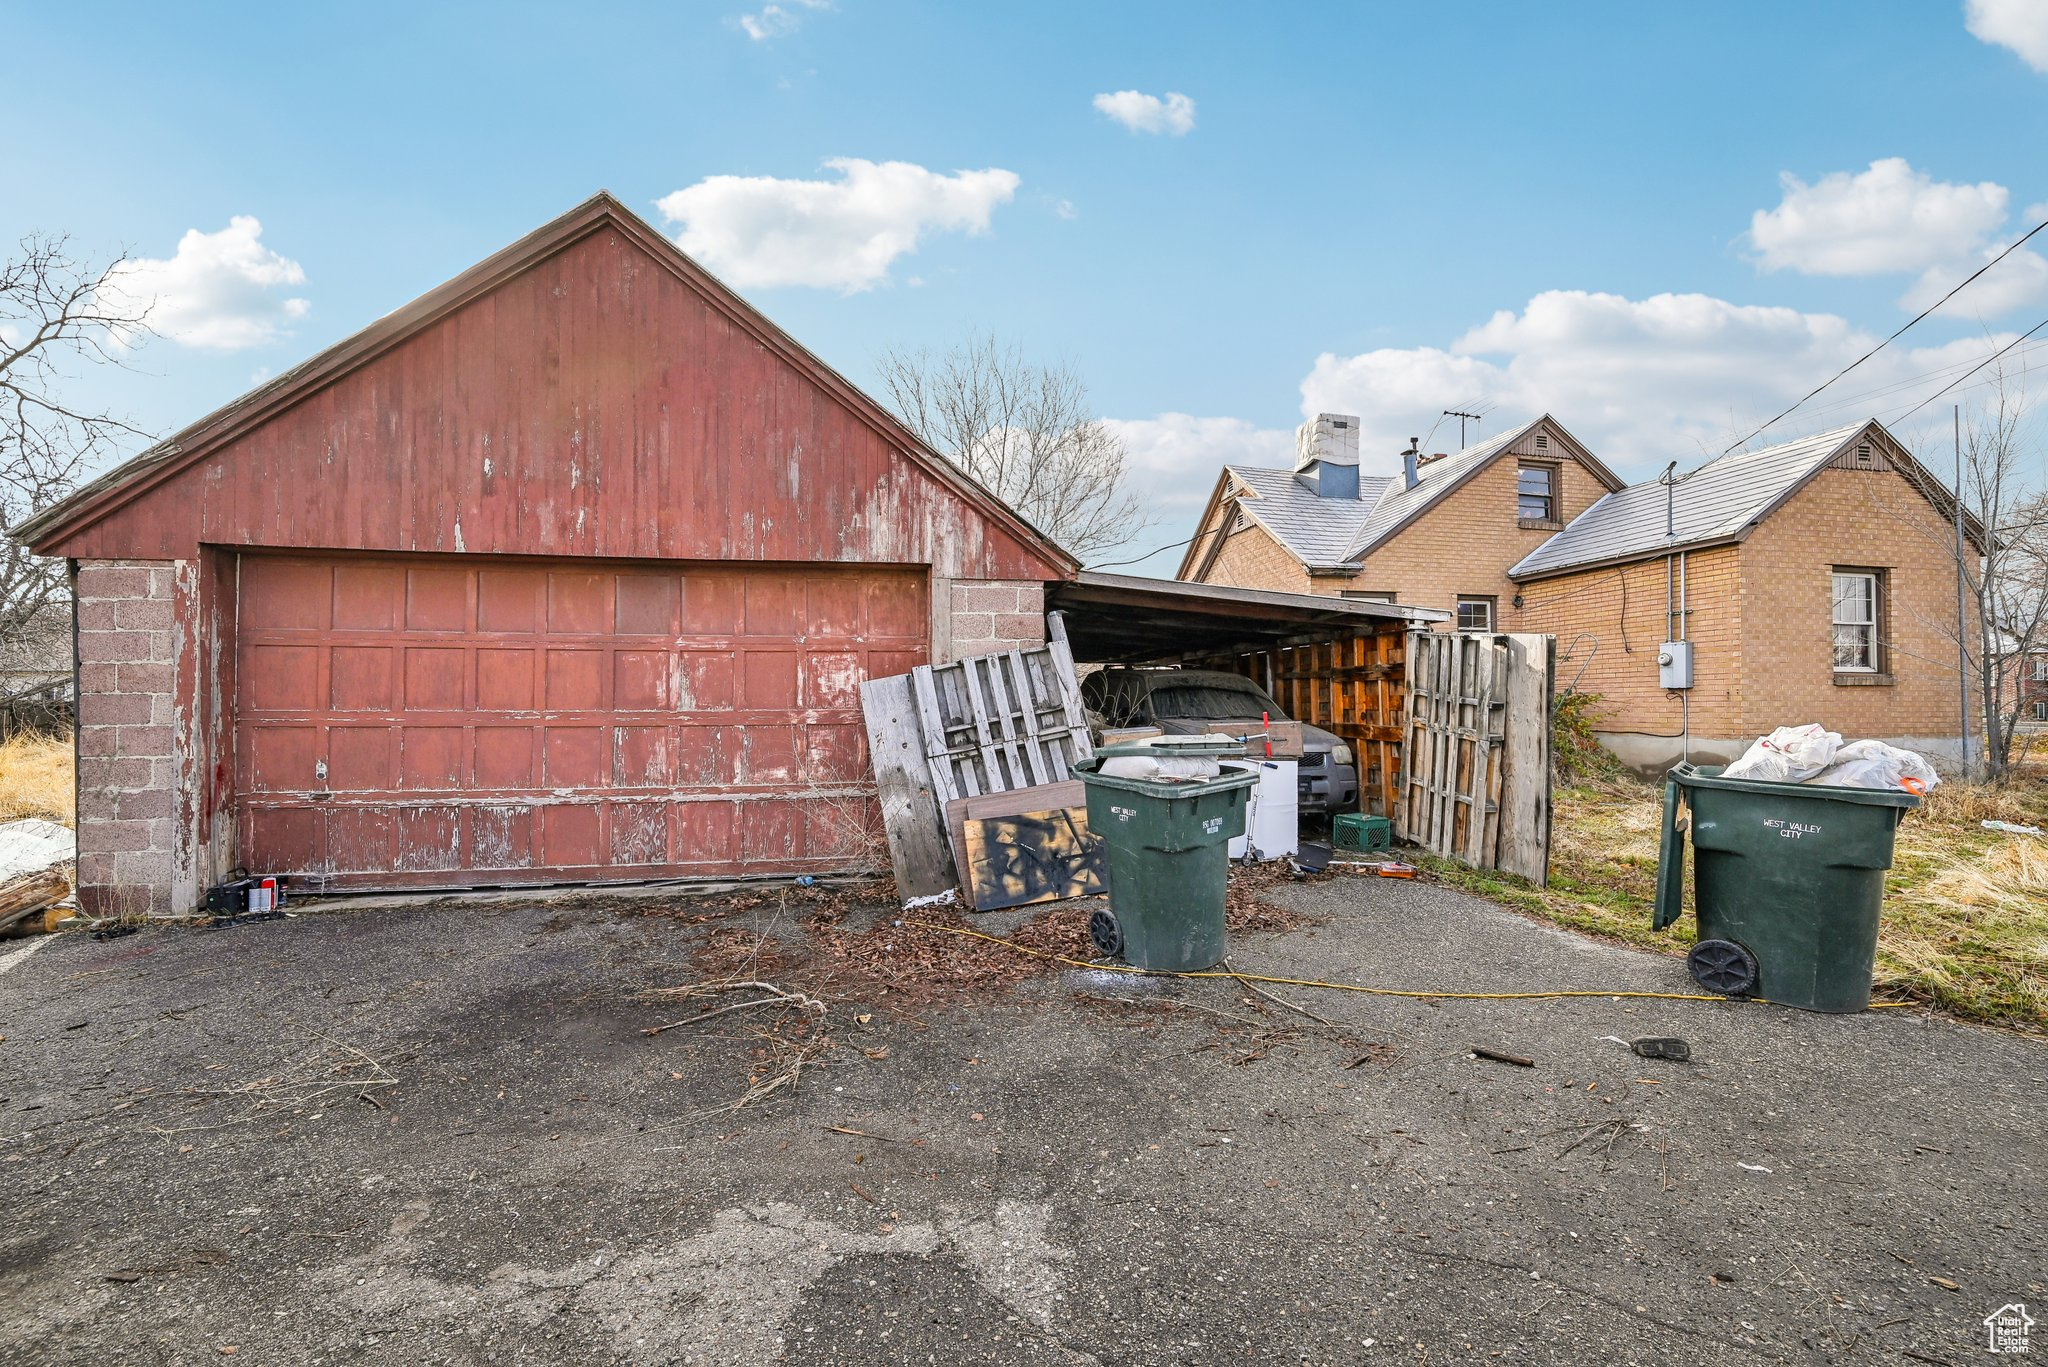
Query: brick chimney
1326, 455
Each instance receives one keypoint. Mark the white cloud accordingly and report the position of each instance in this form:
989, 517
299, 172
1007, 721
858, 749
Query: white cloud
1142, 113
1673, 376
2021, 25
1174, 461
778, 20
761, 231
1887, 219
2014, 283
219, 292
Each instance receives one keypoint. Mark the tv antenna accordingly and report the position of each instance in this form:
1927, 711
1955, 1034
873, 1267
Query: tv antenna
1462, 418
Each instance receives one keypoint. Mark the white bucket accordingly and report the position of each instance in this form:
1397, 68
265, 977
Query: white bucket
1273, 810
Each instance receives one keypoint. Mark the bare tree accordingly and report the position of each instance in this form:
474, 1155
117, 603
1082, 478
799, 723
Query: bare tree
55, 316
2005, 579
1026, 432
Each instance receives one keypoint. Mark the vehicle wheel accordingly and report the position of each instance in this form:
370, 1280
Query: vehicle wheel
1723, 966
1106, 934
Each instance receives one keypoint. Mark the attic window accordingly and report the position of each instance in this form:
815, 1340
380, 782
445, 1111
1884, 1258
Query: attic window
1863, 456
1339, 423
1542, 442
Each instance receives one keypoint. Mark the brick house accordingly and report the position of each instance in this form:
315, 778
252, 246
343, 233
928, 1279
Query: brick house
569, 570
1813, 580
1440, 535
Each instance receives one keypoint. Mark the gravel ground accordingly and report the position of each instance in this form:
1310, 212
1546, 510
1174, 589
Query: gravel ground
1088, 1169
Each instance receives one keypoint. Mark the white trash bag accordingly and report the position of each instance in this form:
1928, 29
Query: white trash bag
1790, 754
1873, 764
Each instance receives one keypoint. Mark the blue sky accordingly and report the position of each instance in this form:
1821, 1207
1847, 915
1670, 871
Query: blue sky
1380, 209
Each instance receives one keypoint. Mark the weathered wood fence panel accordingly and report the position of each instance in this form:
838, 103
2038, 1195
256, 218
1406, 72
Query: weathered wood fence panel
1476, 753
988, 724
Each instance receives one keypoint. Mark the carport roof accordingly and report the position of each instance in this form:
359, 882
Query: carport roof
1127, 618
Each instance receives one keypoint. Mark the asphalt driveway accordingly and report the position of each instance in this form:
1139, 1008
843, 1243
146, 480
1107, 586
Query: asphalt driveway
440, 1135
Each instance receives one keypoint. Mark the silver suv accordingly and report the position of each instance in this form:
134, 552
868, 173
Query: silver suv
1183, 702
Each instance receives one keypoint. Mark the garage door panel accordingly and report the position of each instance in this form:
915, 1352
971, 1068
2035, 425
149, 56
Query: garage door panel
362, 759
572, 836
436, 599
640, 680
283, 758
639, 834
501, 838
362, 840
363, 678
705, 681
508, 602
575, 681
640, 757
368, 596
504, 757
711, 603
645, 604
707, 756
290, 595
431, 758
504, 679
577, 757
768, 681
435, 677
775, 604
427, 722
429, 839
283, 678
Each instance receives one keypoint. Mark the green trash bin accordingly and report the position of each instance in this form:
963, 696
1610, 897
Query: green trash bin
1788, 884
1167, 848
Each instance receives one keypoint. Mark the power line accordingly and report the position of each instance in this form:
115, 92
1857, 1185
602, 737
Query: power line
1894, 337
1973, 370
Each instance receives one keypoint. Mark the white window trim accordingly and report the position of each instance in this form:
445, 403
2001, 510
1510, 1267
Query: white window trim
1475, 600
1876, 616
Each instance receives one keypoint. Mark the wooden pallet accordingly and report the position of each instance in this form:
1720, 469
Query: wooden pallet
1476, 755
988, 724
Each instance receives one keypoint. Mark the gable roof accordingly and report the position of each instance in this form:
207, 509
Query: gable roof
1331, 533
129, 481
1316, 529
1719, 502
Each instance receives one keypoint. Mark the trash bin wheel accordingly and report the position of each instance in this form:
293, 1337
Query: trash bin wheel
1107, 935
1722, 966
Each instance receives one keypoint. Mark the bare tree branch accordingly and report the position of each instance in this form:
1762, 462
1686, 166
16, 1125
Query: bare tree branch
55, 313
1026, 432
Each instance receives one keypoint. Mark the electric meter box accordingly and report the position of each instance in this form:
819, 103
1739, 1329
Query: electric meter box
1674, 664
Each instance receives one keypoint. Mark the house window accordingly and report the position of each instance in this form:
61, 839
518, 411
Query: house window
2041, 711
1367, 595
1475, 614
1536, 493
1857, 595
2041, 668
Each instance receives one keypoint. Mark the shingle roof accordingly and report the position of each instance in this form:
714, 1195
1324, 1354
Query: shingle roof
1400, 504
1713, 503
1314, 528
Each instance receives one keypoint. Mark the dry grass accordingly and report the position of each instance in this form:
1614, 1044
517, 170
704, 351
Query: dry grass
1966, 910
36, 779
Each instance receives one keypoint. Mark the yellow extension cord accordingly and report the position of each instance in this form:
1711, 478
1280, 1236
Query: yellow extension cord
1344, 987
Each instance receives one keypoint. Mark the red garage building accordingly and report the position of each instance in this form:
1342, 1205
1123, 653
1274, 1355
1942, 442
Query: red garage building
568, 570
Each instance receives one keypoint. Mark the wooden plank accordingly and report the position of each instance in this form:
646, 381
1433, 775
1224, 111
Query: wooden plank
932, 742
1525, 781
910, 808
1039, 798
1476, 850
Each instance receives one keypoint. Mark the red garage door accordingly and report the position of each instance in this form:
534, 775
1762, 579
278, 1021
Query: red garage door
406, 723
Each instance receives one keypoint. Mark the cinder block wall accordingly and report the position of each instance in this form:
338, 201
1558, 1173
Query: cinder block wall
135, 845
986, 616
